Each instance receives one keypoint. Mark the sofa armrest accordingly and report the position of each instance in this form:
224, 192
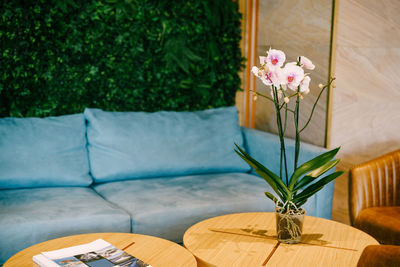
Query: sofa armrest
265, 148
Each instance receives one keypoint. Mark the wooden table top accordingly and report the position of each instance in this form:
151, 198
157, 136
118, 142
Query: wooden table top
152, 250
249, 239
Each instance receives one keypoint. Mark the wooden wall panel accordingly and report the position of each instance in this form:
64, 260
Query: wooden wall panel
240, 94
298, 27
366, 102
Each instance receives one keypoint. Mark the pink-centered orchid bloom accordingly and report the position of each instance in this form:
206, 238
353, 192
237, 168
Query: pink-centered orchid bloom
275, 58
293, 75
306, 63
269, 76
274, 77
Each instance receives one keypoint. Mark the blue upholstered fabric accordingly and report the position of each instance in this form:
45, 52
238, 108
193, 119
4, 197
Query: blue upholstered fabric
43, 152
129, 145
265, 148
167, 207
29, 216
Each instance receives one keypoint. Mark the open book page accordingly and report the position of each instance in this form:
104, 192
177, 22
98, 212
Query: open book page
43, 261
98, 253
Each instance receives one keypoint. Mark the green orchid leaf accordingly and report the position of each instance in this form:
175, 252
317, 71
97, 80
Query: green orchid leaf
314, 188
266, 177
312, 165
303, 182
301, 203
271, 178
271, 196
314, 175
323, 169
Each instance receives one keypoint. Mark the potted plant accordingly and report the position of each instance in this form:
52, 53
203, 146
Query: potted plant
291, 190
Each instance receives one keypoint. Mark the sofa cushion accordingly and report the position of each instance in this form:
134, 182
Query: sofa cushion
168, 207
128, 145
29, 216
43, 152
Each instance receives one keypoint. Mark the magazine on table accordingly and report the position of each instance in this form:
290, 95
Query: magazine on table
98, 253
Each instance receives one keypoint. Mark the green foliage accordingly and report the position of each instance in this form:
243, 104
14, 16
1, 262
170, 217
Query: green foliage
58, 57
305, 178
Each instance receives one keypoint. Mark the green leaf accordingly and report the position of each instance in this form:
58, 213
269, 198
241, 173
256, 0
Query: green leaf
144, 51
314, 188
271, 178
271, 196
312, 176
265, 176
324, 168
311, 165
302, 182
301, 203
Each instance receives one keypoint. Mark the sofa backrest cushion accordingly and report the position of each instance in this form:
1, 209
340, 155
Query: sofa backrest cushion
37, 152
129, 145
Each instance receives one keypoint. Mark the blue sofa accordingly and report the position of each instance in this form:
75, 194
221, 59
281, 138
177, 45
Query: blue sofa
148, 173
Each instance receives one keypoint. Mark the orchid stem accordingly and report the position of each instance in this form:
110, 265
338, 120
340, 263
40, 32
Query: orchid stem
315, 103
281, 137
296, 123
284, 129
270, 99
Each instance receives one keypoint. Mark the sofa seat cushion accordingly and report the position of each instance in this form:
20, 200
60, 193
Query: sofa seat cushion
128, 145
29, 216
383, 223
166, 207
46, 152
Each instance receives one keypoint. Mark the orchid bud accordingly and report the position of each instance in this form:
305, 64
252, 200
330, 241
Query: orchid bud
306, 63
286, 99
255, 71
320, 86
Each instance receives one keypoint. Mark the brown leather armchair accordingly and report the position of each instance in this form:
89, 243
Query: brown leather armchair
374, 198
380, 255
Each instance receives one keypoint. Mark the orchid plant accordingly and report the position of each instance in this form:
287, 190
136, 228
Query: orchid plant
286, 82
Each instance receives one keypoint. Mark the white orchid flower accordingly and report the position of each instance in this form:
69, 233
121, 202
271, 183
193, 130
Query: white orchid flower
293, 75
275, 58
306, 63
269, 76
305, 84
275, 76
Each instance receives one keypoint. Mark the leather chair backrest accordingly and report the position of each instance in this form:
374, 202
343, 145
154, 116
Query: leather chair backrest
375, 183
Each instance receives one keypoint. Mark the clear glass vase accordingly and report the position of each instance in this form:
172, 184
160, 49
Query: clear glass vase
289, 226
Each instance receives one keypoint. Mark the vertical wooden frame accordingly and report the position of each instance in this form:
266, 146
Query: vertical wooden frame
251, 55
332, 66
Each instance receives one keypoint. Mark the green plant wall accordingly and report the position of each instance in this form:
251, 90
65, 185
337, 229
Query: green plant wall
58, 57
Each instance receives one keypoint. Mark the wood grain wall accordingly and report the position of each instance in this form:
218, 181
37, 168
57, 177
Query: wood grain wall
240, 94
299, 28
365, 117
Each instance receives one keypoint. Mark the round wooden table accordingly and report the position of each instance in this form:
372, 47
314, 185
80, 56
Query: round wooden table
152, 250
249, 239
